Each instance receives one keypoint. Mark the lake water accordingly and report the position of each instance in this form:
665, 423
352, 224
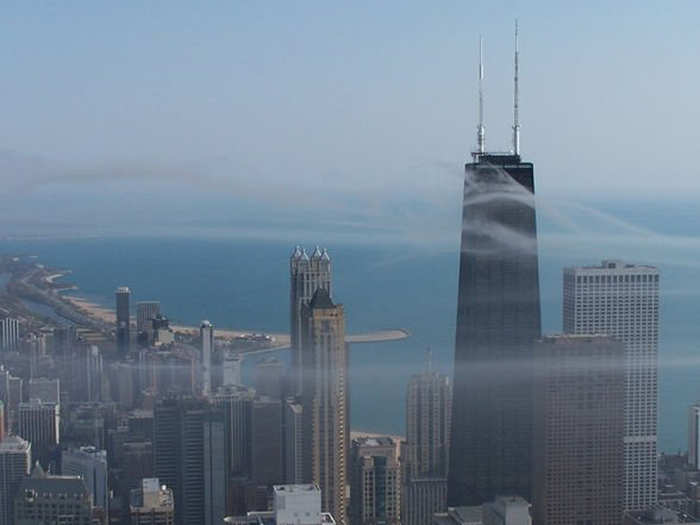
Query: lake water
243, 284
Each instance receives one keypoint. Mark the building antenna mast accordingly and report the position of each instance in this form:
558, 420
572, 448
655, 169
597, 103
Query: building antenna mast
516, 117
481, 131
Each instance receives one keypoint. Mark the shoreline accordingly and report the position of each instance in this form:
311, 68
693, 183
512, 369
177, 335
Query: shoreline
107, 315
280, 340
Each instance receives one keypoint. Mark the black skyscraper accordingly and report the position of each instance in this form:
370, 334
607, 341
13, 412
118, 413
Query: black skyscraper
123, 329
498, 319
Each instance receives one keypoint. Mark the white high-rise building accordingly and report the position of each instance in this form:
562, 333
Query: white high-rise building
694, 436
206, 331
622, 300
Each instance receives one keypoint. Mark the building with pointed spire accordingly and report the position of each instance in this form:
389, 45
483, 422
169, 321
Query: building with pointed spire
324, 401
498, 319
306, 275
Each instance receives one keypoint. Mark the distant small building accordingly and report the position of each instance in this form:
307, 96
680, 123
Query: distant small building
44, 389
43, 498
292, 505
9, 334
152, 504
504, 510
659, 515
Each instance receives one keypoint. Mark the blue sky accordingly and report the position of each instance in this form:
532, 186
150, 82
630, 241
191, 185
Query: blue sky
363, 112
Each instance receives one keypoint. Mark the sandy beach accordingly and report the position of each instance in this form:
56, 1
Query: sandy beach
108, 315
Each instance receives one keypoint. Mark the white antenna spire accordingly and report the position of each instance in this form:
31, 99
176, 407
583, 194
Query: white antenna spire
481, 131
516, 119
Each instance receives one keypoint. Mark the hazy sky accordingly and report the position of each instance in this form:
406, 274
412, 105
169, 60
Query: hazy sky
137, 112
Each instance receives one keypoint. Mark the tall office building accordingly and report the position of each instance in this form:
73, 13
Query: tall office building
306, 275
236, 403
266, 441
293, 442
190, 457
694, 436
39, 423
426, 452
15, 461
206, 332
498, 319
122, 296
145, 312
375, 488
215, 473
90, 464
578, 454
622, 301
9, 334
178, 454
152, 504
324, 401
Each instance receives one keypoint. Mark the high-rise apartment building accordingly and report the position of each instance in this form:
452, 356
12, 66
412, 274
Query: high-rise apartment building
622, 300
498, 319
306, 275
428, 413
426, 452
15, 461
324, 401
122, 296
145, 312
578, 454
152, 504
206, 333
39, 423
375, 488
90, 464
694, 436
9, 334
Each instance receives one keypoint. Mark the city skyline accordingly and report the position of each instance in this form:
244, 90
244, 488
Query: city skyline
162, 361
